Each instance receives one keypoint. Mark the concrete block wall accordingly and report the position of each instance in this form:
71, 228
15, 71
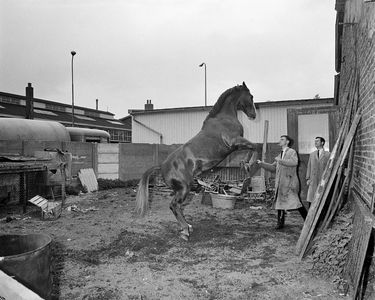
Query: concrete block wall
135, 159
358, 54
108, 161
84, 155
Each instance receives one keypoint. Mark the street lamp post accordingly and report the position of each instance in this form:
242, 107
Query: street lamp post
72, 53
205, 82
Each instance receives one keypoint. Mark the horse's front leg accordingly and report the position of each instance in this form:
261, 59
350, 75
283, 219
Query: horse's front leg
176, 206
249, 162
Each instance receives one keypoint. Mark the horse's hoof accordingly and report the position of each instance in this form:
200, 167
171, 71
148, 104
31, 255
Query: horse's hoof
184, 236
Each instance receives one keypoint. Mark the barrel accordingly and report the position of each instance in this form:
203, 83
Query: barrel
27, 258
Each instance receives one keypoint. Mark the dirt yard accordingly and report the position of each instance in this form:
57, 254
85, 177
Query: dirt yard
101, 252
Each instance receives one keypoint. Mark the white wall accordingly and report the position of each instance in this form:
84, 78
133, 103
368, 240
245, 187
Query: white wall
177, 127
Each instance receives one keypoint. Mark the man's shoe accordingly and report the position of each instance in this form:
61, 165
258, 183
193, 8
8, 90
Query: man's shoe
280, 219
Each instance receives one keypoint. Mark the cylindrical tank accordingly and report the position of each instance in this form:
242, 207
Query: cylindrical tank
32, 130
78, 134
27, 258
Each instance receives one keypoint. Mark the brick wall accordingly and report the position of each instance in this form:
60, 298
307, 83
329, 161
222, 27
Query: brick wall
358, 52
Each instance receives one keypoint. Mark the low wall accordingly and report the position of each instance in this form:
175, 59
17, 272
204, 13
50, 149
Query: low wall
130, 161
84, 155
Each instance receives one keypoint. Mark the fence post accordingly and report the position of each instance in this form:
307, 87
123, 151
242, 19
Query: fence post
156, 154
95, 158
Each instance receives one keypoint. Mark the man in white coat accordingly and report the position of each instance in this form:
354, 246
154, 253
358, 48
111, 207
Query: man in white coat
286, 183
315, 168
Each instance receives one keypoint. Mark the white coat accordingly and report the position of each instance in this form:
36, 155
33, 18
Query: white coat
286, 183
315, 169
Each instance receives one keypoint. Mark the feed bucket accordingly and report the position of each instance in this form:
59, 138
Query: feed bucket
27, 258
223, 201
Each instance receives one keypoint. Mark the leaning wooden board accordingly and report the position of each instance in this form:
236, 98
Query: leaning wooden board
88, 179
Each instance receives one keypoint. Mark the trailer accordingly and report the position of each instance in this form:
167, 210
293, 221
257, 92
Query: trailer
78, 134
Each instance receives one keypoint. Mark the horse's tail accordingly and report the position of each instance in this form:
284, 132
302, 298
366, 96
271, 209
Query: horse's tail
141, 200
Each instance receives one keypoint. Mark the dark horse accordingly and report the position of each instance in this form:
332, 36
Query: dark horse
221, 134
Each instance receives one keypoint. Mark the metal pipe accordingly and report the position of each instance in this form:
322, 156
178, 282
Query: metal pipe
72, 53
205, 82
149, 128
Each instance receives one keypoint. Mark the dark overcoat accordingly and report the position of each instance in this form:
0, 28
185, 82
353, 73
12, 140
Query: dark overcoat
286, 183
315, 169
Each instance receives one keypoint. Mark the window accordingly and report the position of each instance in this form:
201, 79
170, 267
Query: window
309, 127
44, 112
10, 100
120, 135
91, 113
84, 118
115, 122
55, 107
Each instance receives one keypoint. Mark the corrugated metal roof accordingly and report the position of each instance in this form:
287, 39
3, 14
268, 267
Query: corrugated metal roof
14, 110
21, 97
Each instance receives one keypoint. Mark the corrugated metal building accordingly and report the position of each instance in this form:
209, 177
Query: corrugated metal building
178, 125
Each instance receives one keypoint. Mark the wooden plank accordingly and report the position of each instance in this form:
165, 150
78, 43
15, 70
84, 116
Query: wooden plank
338, 201
264, 150
323, 191
363, 224
333, 201
13, 290
320, 190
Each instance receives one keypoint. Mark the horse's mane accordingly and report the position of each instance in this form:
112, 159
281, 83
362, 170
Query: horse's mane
216, 108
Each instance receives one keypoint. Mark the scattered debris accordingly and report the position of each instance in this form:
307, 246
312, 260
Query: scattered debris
10, 219
220, 187
82, 210
129, 254
256, 207
330, 251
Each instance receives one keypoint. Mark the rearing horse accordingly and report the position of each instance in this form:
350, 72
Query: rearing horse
221, 134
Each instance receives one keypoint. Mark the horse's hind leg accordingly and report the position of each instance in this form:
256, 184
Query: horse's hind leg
177, 204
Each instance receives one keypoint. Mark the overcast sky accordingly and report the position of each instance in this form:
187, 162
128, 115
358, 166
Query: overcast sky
129, 51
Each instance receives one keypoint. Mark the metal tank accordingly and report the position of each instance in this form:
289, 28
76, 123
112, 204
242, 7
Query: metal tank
32, 130
27, 258
78, 134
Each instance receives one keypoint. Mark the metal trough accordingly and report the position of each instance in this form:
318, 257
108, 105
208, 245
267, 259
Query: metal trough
27, 258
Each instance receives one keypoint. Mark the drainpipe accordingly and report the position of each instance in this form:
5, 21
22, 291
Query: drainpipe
149, 128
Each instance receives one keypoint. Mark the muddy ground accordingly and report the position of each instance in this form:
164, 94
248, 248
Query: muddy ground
101, 252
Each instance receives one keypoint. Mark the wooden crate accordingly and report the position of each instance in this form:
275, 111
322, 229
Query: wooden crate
49, 209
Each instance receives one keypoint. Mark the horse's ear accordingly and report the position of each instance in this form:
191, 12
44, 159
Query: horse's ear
244, 85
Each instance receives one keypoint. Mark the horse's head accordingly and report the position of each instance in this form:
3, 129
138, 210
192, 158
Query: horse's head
246, 103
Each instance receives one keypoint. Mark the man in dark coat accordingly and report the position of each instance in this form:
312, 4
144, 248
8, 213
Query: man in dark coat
315, 167
287, 183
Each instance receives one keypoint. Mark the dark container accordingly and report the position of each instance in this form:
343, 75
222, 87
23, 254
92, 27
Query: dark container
27, 258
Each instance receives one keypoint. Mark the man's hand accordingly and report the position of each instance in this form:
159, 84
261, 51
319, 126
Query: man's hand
308, 181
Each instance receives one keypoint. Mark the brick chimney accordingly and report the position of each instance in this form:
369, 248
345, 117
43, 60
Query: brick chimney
29, 102
149, 105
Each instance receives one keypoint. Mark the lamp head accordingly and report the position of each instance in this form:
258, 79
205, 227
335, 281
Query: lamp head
73, 53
